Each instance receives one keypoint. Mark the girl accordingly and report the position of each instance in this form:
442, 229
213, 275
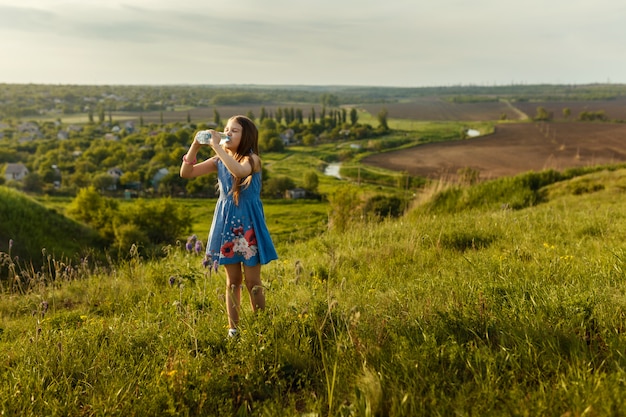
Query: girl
239, 238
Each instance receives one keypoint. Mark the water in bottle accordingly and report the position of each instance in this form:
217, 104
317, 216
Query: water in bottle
204, 137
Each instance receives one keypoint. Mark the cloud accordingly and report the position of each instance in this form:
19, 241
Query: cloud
404, 42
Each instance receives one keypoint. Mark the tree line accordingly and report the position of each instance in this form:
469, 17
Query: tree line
116, 157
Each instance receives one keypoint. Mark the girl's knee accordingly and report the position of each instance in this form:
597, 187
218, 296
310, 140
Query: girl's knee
256, 289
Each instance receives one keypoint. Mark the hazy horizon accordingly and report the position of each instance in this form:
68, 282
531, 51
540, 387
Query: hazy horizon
397, 43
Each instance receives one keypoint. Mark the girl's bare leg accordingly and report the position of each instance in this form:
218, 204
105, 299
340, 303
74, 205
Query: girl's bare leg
255, 287
234, 279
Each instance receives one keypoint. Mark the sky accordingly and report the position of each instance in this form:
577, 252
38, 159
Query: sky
402, 43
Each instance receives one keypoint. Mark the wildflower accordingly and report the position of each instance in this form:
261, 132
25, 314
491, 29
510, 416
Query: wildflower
169, 373
172, 280
216, 265
10, 243
44, 307
198, 247
206, 261
191, 241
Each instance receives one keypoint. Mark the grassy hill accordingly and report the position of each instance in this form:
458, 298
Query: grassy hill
31, 227
512, 307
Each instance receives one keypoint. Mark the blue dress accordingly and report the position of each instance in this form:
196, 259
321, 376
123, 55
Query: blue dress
239, 232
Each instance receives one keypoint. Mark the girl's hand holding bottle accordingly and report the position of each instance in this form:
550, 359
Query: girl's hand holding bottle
205, 137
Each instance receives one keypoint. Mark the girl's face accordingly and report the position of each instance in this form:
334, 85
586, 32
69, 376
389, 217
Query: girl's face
234, 131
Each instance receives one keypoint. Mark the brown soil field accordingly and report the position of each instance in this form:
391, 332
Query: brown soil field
425, 108
614, 109
513, 149
438, 109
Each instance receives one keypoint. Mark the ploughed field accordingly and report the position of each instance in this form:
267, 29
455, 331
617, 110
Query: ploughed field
513, 149
439, 109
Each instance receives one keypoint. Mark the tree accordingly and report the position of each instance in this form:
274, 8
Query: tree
162, 220
94, 210
354, 117
542, 114
216, 117
279, 115
382, 119
329, 100
309, 139
276, 186
311, 181
204, 185
32, 183
567, 112
103, 181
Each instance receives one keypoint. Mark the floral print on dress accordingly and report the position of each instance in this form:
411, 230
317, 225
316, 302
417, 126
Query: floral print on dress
242, 243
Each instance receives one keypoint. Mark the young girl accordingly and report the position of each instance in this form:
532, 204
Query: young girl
238, 238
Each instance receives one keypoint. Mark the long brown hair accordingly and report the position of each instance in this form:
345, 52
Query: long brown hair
248, 145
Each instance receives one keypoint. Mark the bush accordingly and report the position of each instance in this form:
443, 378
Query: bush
384, 206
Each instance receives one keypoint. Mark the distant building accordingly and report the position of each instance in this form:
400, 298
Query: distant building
295, 193
287, 136
115, 173
160, 174
15, 172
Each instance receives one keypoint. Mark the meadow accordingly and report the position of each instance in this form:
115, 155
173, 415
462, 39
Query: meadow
504, 298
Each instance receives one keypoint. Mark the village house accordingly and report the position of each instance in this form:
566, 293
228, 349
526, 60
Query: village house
295, 193
129, 126
115, 173
160, 174
287, 136
15, 172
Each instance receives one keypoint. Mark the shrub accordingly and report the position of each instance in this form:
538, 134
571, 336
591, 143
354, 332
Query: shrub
384, 206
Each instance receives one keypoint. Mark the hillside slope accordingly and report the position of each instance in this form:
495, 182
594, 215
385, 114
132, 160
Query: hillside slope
30, 227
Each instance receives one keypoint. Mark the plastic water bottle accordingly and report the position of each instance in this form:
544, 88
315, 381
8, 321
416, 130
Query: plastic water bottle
204, 137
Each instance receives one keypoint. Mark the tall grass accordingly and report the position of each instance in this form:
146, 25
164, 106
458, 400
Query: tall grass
490, 311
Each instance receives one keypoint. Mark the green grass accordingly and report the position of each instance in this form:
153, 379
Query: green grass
483, 311
287, 220
32, 227
425, 128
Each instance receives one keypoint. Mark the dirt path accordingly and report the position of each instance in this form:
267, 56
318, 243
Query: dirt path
520, 114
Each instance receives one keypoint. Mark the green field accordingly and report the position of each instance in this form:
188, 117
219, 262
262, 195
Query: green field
473, 310
502, 298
